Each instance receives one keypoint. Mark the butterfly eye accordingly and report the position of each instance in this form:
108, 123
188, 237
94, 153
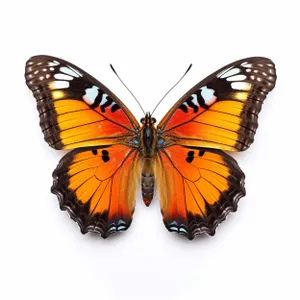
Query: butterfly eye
142, 120
153, 120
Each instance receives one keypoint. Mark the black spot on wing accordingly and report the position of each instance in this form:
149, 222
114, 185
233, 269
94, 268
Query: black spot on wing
190, 156
108, 102
201, 152
97, 99
115, 107
189, 159
183, 108
94, 151
105, 158
201, 100
192, 105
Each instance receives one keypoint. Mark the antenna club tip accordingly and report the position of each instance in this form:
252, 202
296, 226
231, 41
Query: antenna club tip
111, 66
190, 66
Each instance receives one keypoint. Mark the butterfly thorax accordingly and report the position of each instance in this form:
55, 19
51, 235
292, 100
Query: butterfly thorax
148, 137
148, 144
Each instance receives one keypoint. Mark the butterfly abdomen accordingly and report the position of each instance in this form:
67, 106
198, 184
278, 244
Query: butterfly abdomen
148, 180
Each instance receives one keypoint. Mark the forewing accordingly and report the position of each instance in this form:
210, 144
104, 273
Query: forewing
222, 110
198, 187
75, 109
97, 186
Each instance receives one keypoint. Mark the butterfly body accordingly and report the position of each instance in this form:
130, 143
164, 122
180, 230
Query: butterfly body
148, 149
198, 183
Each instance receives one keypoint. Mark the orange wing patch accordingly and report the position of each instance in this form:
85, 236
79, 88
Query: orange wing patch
75, 109
198, 187
222, 110
98, 187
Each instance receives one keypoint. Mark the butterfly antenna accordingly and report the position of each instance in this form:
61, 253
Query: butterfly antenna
171, 89
128, 89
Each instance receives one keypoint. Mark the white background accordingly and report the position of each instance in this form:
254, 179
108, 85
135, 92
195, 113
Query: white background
255, 253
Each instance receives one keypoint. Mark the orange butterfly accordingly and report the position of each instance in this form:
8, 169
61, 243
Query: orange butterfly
198, 183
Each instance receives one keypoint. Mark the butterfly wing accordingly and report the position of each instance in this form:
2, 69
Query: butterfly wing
97, 186
97, 183
198, 187
75, 109
222, 110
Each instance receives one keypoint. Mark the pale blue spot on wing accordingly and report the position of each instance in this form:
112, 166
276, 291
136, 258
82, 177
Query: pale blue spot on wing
182, 230
230, 73
90, 95
70, 71
173, 228
173, 223
208, 95
112, 228
104, 100
121, 227
194, 100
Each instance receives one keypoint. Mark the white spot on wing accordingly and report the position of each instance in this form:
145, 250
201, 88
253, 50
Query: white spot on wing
246, 64
59, 85
53, 63
208, 95
63, 76
90, 95
236, 78
241, 86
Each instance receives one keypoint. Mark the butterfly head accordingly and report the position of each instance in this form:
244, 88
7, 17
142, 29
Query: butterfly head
148, 121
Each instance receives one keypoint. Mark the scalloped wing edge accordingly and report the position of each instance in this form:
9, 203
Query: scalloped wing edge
195, 228
228, 201
102, 227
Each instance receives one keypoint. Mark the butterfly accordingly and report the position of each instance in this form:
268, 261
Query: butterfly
112, 153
